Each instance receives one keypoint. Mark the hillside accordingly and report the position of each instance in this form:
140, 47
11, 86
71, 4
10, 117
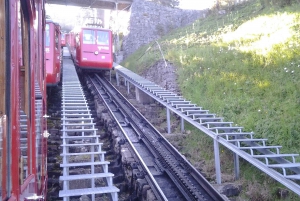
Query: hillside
243, 66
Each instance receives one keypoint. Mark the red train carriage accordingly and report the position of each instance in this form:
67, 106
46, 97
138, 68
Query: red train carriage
53, 53
67, 36
91, 49
23, 143
71, 43
63, 40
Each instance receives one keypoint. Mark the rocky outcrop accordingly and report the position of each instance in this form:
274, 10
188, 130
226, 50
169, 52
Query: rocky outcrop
149, 21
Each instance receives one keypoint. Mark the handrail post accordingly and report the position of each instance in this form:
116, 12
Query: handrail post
217, 161
236, 163
182, 124
168, 121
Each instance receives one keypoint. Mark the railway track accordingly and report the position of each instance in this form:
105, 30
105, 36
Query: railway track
167, 172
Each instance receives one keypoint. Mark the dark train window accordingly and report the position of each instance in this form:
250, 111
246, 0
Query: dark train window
47, 35
77, 39
56, 39
102, 38
20, 23
88, 37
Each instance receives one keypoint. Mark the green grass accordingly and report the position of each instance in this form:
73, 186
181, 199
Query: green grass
244, 66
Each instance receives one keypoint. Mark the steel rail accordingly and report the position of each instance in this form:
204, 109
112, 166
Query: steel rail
160, 195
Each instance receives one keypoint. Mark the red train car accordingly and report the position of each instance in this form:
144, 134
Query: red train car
91, 49
53, 53
63, 40
71, 43
67, 39
23, 134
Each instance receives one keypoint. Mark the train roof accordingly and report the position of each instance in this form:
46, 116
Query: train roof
92, 28
51, 21
98, 28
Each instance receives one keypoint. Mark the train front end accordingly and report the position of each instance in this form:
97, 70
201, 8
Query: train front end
94, 51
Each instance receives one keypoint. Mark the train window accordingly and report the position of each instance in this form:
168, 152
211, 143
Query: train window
47, 35
56, 40
24, 94
20, 42
102, 38
88, 37
77, 41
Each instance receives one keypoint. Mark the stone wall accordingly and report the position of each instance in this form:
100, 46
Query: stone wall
149, 21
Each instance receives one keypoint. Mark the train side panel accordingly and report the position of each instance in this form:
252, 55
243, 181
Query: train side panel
58, 51
63, 40
72, 44
23, 106
53, 53
67, 38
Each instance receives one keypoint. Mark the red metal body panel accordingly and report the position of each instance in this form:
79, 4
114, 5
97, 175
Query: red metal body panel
72, 44
14, 110
91, 49
52, 51
67, 38
63, 40
25, 93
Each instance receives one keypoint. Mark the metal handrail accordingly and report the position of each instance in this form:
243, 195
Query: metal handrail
148, 88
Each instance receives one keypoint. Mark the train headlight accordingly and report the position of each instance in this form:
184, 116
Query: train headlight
96, 53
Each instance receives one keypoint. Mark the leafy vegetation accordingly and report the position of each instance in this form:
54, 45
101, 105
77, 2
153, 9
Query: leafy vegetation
243, 66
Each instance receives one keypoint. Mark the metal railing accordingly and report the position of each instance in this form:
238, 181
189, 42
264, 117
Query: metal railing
281, 167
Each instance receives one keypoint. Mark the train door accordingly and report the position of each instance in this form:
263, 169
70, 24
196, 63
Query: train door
32, 166
87, 49
38, 86
104, 43
27, 132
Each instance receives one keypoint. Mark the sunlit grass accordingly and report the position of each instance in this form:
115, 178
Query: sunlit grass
244, 66
261, 33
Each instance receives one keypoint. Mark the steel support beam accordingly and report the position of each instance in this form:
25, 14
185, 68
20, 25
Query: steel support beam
182, 124
217, 161
168, 121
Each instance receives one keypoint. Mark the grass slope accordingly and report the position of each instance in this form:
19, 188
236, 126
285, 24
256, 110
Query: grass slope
243, 66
